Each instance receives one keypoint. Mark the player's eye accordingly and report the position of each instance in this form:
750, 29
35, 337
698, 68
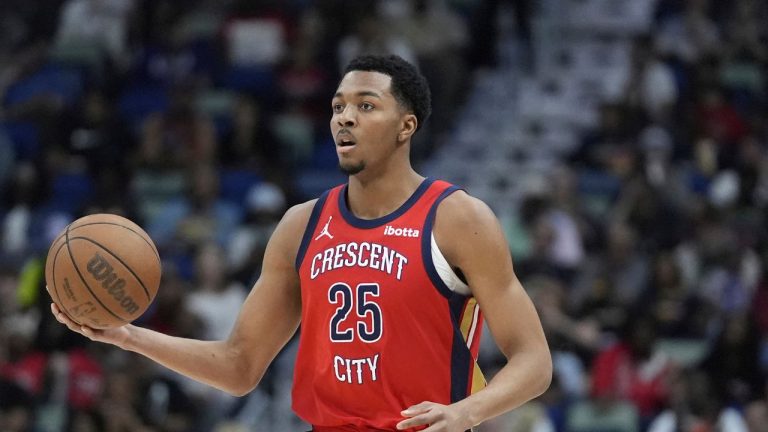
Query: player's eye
337, 108
366, 106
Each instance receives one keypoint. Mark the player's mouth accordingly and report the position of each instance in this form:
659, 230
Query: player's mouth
345, 142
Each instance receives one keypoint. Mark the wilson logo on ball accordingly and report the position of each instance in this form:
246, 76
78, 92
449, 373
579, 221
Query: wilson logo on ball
103, 272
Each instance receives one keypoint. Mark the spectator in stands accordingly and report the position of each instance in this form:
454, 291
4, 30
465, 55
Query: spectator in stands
169, 312
172, 143
573, 339
596, 144
373, 35
83, 421
16, 413
215, 300
633, 370
439, 38
751, 164
671, 302
7, 157
485, 31
559, 223
100, 138
695, 406
302, 79
170, 61
720, 120
756, 411
540, 259
690, 35
658, 168
745, 30
568, 219
759, 305
619, 275
181, 137
119, 406
198, 216
657, 219
265, 203
24, 210
23, 364
35, 106
102, 23
161, 399
725, 285
650, 87
250, 143
732, 362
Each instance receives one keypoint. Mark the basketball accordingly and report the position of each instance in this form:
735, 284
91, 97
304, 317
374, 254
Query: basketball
103, 271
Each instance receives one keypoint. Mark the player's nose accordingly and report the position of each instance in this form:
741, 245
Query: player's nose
346, 118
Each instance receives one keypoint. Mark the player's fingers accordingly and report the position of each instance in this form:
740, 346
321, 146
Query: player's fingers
61, 316
64, 319
88, 332
55, 311
418, 420
417, 409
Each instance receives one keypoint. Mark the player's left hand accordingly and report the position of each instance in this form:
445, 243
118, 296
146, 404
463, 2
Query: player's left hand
439, 418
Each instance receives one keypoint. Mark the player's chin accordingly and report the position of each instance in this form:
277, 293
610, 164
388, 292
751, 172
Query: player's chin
351, 168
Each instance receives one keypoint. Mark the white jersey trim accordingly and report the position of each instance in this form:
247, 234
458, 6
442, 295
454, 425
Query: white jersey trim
445, 271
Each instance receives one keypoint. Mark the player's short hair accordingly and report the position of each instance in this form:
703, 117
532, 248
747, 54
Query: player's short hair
409, 87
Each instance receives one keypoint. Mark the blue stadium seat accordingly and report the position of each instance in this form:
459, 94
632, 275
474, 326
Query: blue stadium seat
25, 137
256, 80
64, 82
310, 183
235, 184
218, 105
70, 192
324, 155
139, 101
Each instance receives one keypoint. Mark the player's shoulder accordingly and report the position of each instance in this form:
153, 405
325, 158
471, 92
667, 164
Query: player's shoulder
464, 227
299, 214
460, 209
286, 238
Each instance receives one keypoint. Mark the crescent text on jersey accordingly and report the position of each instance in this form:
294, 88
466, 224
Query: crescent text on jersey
364, 254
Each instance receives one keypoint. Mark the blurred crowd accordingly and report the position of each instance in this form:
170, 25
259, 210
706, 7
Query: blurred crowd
645, 254
645, 250
203, 121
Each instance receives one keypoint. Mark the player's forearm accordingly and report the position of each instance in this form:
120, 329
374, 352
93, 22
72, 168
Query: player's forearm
214, 363
525, 376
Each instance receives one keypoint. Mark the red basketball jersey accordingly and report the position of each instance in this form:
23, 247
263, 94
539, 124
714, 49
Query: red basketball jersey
380, 329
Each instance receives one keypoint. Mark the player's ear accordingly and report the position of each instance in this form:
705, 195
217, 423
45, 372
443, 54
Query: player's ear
407, 127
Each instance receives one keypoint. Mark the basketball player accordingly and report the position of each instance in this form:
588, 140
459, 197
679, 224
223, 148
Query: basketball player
390, 276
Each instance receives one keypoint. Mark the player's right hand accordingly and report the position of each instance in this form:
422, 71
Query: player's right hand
115, 336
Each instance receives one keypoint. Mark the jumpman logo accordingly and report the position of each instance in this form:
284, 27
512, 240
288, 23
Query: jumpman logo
325, 231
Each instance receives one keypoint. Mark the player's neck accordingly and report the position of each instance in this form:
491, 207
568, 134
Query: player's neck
372, 198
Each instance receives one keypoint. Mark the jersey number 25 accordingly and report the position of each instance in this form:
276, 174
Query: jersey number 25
362, 299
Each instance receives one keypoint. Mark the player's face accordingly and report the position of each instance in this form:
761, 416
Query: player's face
366, 119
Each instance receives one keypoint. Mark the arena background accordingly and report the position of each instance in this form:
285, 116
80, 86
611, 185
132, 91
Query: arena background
622, 143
